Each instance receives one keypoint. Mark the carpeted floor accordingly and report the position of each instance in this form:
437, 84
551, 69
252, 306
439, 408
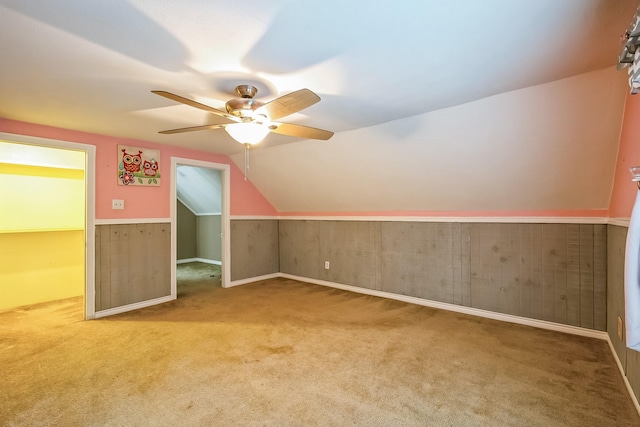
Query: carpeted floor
285, 353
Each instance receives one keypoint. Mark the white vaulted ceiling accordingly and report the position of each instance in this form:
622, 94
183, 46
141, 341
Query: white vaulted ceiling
446, 106
200, 189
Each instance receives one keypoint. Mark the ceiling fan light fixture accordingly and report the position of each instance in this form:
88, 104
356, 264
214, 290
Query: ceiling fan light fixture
248, 132
249, 120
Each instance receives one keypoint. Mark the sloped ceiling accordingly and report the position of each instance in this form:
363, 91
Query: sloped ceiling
447, 106
200, 189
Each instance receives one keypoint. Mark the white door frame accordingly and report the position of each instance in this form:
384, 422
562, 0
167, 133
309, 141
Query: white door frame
225, 171
89, 197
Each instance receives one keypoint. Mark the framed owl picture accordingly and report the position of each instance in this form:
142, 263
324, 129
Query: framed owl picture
138, 166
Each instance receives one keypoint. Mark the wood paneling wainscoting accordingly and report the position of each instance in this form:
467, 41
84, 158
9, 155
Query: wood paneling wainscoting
551, 272
629, 359
254, 248
133, 263
570, 274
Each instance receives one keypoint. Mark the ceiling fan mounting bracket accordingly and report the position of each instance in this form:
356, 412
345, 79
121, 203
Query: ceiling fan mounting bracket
246, 91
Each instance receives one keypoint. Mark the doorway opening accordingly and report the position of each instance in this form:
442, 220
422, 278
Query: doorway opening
46, 231
200, 221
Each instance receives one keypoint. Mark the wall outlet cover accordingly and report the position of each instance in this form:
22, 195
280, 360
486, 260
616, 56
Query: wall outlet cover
619, 327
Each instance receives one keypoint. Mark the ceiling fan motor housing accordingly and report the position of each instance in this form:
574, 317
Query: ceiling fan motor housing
245, 107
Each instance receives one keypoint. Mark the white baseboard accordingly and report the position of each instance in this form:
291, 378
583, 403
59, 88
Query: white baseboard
624, 375
131, 307
459, 309
253, 279
207, 261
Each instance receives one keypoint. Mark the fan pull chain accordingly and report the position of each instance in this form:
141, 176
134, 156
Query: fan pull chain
246, 160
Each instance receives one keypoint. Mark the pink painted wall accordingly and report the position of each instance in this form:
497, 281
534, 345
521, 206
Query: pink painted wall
144, 202
624, 191
153, 202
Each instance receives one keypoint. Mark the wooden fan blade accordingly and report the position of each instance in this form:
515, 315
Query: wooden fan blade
195, 104
301, 131
191, 129
290, 103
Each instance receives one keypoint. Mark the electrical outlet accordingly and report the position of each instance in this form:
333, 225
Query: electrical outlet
619, 327
117, 204
326, 265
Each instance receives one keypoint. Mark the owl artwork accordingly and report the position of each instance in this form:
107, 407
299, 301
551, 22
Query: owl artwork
150, 167
138, 166
131, 161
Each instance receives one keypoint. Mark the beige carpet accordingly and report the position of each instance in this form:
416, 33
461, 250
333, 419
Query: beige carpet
286, 353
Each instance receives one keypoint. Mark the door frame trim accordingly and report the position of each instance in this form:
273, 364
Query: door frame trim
89, 213
225, 170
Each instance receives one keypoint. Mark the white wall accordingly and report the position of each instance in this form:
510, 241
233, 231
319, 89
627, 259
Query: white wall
551, 146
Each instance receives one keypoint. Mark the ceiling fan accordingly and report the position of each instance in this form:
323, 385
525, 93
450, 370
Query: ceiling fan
249, 120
